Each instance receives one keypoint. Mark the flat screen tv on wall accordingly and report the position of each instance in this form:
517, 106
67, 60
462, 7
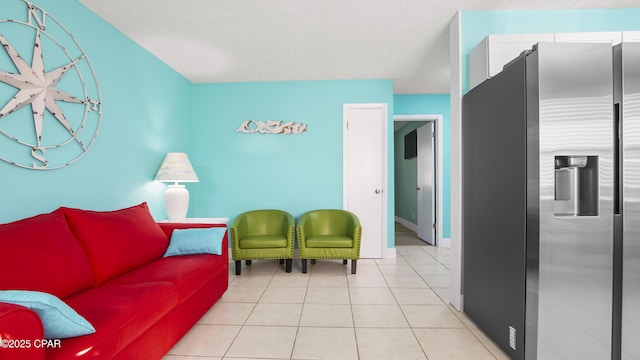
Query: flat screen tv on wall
411, 145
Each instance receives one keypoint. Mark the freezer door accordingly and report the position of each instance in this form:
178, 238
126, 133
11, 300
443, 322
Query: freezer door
630, 134
572, 86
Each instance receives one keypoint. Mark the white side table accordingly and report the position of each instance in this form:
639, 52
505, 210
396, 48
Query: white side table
198, 221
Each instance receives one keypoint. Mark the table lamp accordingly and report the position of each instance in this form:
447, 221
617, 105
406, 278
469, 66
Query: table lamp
176, 168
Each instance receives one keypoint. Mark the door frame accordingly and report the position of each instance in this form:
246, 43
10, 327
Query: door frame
437, 119
386, 252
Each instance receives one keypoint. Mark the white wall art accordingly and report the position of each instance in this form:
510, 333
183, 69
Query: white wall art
63, 121
271, 127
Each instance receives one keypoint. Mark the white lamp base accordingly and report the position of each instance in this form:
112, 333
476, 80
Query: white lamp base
176, 202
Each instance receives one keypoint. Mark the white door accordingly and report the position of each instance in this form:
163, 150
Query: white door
426, 184
365, 172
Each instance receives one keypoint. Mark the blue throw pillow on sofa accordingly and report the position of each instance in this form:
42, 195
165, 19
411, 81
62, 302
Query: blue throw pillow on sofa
59, 320
196, 241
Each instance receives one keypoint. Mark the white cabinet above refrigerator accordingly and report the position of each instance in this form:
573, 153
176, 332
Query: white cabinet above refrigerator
496, 50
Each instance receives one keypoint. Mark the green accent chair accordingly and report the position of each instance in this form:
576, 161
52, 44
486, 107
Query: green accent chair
262, 234
329, 234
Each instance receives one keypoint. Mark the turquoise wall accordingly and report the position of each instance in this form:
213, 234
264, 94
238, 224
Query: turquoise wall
436, 104
295, 173
145, 114
476, 25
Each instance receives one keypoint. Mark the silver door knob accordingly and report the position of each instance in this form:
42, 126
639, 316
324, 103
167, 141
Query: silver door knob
378, 191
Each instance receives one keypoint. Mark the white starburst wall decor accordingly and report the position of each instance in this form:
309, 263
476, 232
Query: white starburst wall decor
271, 127
53, 77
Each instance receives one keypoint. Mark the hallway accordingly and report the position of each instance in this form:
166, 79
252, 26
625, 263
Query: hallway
407, 237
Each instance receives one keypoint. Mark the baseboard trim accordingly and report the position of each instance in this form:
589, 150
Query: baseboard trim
445, 243
408, 224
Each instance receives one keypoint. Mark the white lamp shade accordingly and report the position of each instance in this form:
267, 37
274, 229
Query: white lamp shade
176, 167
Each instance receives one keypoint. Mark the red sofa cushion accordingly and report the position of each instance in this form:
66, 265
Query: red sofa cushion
188, 273
120, 314
41, 254
117, 241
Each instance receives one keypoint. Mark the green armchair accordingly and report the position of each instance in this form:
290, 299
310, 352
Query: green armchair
329, 234
262, 234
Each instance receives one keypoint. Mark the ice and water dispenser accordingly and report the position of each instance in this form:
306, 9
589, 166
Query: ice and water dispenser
576, 186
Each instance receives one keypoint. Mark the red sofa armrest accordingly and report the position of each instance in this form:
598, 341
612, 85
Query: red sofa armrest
169, 227
21, 333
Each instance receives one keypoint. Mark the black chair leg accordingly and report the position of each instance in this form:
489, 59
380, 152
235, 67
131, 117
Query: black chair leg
344, 262
248, 262
313, 261
238, 267
354, 263
304, 266
281, 261
287, 267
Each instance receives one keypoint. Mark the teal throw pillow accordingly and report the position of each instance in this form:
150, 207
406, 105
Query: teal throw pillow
59, 320
196, 241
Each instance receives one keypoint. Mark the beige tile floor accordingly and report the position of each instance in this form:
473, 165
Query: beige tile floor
391, 309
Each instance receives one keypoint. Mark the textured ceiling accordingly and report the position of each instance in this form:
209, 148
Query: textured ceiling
256, 40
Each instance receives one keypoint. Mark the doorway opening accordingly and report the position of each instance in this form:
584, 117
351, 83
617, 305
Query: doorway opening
418, 193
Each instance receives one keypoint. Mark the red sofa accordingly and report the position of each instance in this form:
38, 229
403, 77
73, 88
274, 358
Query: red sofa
109, 267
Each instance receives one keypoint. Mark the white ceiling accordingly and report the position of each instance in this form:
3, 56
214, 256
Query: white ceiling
258, 40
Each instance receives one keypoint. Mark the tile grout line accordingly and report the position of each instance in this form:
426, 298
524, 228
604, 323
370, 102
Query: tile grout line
304, 302
248, 316
353, 318
404, 315
464, 323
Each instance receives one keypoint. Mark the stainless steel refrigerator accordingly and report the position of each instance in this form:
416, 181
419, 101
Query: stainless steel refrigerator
551, 214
